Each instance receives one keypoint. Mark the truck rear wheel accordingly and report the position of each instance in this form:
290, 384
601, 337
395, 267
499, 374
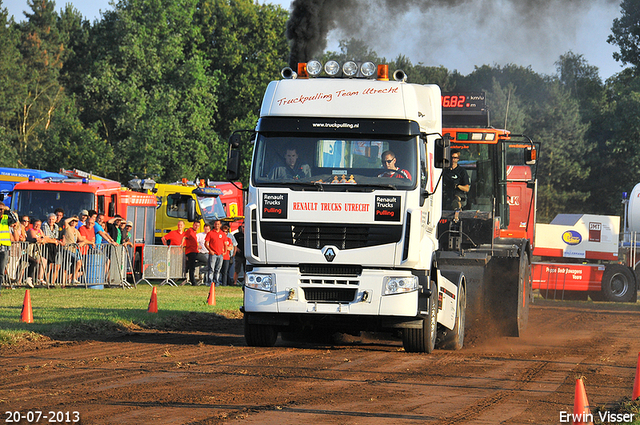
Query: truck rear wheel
454, 339
423, 340
257, 335
618, 284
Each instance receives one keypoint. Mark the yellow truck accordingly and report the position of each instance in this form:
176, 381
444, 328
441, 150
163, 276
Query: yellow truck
186, 201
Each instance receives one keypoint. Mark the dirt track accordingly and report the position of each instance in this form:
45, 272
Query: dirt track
210, 378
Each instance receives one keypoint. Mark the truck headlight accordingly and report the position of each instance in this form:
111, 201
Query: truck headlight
399, 285
261, 281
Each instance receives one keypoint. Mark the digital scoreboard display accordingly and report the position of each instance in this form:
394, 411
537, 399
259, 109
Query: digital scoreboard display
463, 101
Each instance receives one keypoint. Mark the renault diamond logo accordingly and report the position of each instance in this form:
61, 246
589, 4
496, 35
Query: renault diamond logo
329, 254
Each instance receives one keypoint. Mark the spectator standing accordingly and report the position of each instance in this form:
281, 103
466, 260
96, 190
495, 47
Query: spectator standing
240, 258
113, 228
37, 239
26, 223
72, 239
52, 232
59, 212
82, 218
227, 257
204, 253
175, 237
20, 230
191, 250
7, 219
125, 230
101, 235
215, 243
88, 231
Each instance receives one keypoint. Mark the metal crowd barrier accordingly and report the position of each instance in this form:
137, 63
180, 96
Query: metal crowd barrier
163, 262
54, 265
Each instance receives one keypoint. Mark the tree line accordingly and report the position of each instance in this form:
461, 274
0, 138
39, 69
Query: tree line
155, 87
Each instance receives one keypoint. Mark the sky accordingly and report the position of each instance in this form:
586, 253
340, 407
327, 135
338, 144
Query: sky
462, 40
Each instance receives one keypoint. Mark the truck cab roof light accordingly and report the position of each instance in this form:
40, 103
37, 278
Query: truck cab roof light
476, 136
350, 69
302, 70
314, 68
332, 68
383, 72
368, 69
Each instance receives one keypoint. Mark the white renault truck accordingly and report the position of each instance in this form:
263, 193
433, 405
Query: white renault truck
344, 199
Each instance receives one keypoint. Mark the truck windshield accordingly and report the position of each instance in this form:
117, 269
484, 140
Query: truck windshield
39, 203
211, 208
318, 160
476, 159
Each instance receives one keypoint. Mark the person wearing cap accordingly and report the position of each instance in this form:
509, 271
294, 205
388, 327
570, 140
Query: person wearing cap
82, 218
113, 228
52, 231
72, 239
125, 230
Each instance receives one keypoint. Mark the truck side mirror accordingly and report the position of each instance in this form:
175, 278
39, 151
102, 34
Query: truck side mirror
234, 140
530, 156
233, 165
191, 210
443, 152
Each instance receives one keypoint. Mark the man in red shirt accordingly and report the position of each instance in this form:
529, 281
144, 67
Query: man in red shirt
88, 232
175, 237
215, 244
191, 251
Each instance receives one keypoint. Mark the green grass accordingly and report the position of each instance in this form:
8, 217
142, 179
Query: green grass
76, 312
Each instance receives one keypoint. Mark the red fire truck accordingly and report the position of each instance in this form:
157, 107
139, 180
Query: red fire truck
37, 198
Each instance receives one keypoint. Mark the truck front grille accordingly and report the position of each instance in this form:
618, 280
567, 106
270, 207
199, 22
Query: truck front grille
313, 235
330, 295
330, 270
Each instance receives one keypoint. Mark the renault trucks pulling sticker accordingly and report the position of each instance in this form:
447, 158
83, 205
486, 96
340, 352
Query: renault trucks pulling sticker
274, 205
387, 208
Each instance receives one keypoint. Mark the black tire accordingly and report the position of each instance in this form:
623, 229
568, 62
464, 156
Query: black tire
423, 340
454, 339
259, 335
618, 284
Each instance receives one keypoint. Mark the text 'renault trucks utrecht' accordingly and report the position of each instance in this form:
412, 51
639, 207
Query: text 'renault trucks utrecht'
487, 232
342, 210
84, 191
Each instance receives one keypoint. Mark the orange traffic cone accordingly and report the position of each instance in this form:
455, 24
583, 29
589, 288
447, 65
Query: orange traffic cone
27, 313
153, 302
581, 412
211, 299
636, 382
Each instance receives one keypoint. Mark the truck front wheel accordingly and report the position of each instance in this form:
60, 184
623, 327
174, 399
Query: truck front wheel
618, 284
257, 335
423, 340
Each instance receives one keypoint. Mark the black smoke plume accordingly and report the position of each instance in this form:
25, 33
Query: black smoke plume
508, 26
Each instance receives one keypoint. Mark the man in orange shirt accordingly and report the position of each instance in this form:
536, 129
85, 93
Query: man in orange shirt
215, 244
191, 250
175, 237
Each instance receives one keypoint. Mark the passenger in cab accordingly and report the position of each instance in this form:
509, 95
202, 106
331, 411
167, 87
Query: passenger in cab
291, 169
